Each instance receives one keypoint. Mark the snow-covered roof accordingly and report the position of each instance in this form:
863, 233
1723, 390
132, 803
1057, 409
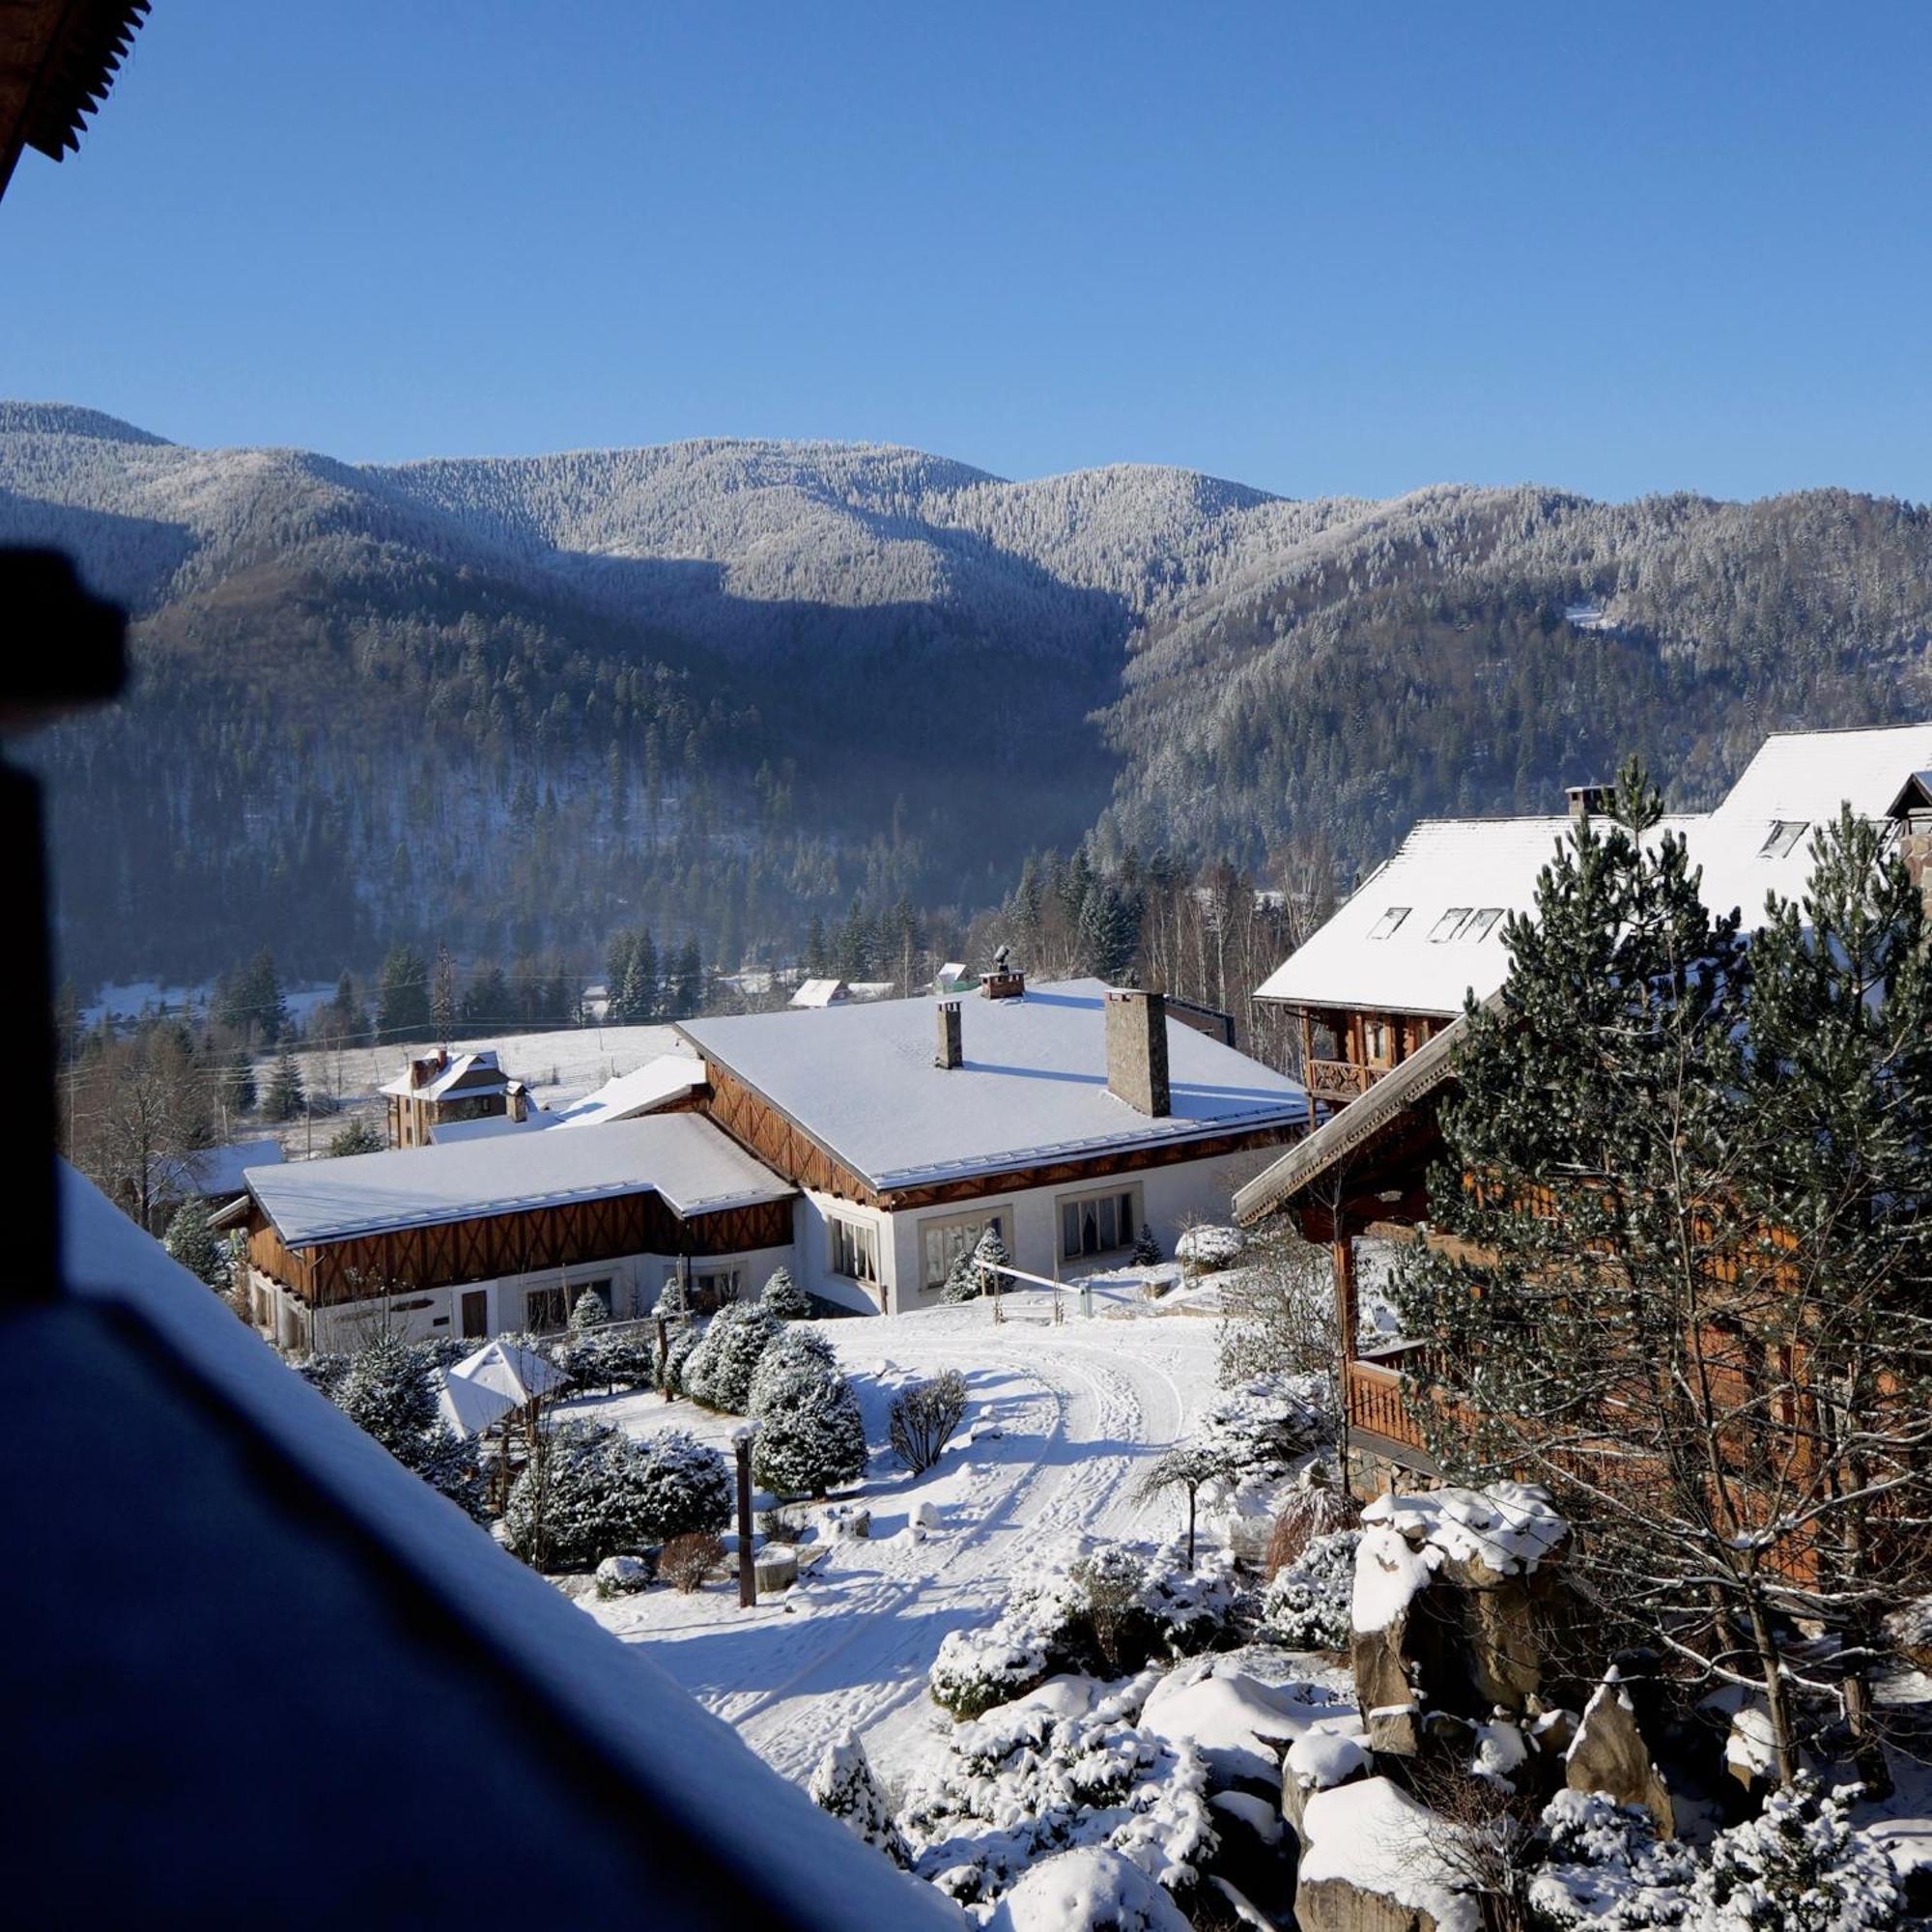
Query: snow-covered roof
215, 1173
1426, 927
821, 993
492, 1126
696, 1168
478, 1072
669, 1077
861, 1082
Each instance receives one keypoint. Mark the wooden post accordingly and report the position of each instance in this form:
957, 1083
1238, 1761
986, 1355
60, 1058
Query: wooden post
664, 1358
1342, 1251
748, 1576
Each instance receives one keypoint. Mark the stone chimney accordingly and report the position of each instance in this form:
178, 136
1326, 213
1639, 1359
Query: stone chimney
952, 1053
1137, 1052
1591, 801
1006, 982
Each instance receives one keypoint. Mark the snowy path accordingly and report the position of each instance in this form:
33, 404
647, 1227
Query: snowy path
1080, 1409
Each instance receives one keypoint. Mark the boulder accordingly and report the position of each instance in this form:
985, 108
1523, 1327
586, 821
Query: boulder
849, 1522
1319, 1760
1608, 1754
1375, 1862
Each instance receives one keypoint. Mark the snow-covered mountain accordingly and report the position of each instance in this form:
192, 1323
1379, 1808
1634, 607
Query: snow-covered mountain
821, 668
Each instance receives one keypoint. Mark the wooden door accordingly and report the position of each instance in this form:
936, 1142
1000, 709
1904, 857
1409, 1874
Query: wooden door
475, 1314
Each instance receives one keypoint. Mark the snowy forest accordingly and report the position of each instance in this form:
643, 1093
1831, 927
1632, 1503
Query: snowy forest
727, 688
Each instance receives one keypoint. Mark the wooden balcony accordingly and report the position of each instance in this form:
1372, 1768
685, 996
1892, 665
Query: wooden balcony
1341, 1079
1378, 1405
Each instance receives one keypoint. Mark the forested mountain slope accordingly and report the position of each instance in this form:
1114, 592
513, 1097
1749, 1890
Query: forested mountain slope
720, 686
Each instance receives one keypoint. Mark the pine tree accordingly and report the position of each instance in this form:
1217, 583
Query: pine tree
238, 1083
1801, 1866
989, 1257
402, 996
689, 978
443, 996
357, 1137
818, 952
286, 1097
844, 1784
783, 1298
1147, 1250
195, 1245
1597, 1116
720, 1370
388, 1390
587, 1312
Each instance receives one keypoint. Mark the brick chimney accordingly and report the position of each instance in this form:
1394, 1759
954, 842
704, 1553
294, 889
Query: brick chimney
952, 1053
1137, 1052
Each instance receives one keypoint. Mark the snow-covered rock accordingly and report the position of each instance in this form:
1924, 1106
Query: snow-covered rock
1092, 1890
1238, 1722
620, 1576
1371, 1841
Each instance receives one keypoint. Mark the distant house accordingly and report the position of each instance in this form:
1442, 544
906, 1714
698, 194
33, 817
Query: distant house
954, 976
1063, 1116
438, 1088
822, 993
209, 1173
504, 1233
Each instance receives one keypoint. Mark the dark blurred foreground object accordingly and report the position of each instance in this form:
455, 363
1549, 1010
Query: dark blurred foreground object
57, 61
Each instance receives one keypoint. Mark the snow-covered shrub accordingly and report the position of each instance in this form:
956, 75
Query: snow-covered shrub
794, 1347
973, 1273
843, 1784
1016, 1788
688, 1561
1090, 1889
587, 1312
923, 1418
592, 1492
684, 1343
782, 1299
192, 1240
1147, 1250
1184, 1610
1265, 1427
1801, 1866
718, 1371
1606, 1867
810, 1434
1306, 1605
622, 1575
1206, 1248
976, 1669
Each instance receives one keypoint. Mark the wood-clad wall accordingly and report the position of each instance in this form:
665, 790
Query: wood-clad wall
571, 1235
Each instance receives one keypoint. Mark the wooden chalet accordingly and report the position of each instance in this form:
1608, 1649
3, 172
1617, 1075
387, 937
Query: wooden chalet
503, 1235
1065, 1118
1417, 941
441, 1088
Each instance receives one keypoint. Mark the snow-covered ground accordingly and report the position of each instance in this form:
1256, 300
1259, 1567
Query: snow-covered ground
1078, 1409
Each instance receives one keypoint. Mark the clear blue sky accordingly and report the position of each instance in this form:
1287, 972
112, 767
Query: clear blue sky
1356, 247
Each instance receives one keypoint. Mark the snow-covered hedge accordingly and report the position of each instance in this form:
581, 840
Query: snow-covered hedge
1306, 1604
718, 1371
1022, 1785
595, 1491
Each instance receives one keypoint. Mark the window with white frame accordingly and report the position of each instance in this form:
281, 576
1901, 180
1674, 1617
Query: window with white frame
943, 1240
854, 1249
716, 1285
1098, 1224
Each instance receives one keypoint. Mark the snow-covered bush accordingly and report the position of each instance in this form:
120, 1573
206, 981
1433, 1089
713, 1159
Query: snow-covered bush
684, 1343
1099, 1606
718, 1371
592, 1492
810, 1434
602, 1360
1147, 1250
1306, 1605
1606, 1867
1801, 1866
973, 1274
1207, 1248
1022, 1785
794, 1347
842, 1784
923, 1418
587, 1312
622, 1575
1265, 1428
782, 1299
192, 1240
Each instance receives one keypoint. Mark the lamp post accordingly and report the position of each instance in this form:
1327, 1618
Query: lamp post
742, 1439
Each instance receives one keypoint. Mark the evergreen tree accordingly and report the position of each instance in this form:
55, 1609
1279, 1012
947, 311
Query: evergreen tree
587, 1312
388, 1390
443, 996
357, 1137
783, 1298
402, 996
486, 1000
720, 1370
617, 976
689, 978
810, 1434
1802, 1866
344, 1019
818, 952
196, 1246
238, 1081
286, 1097
844, 1784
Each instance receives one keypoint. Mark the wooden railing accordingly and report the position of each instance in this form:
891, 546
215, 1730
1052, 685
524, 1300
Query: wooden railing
1378, 1403
1340, 1079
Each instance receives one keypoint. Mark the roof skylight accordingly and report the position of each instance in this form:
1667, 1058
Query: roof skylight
1482, 922
1388, 921
1450, 923
1784, 835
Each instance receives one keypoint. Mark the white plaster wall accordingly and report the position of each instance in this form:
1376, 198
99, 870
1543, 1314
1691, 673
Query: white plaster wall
813, 1266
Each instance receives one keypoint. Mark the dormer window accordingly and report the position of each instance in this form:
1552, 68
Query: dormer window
1783, 837
1482, 922
1388, 923
1450, 923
